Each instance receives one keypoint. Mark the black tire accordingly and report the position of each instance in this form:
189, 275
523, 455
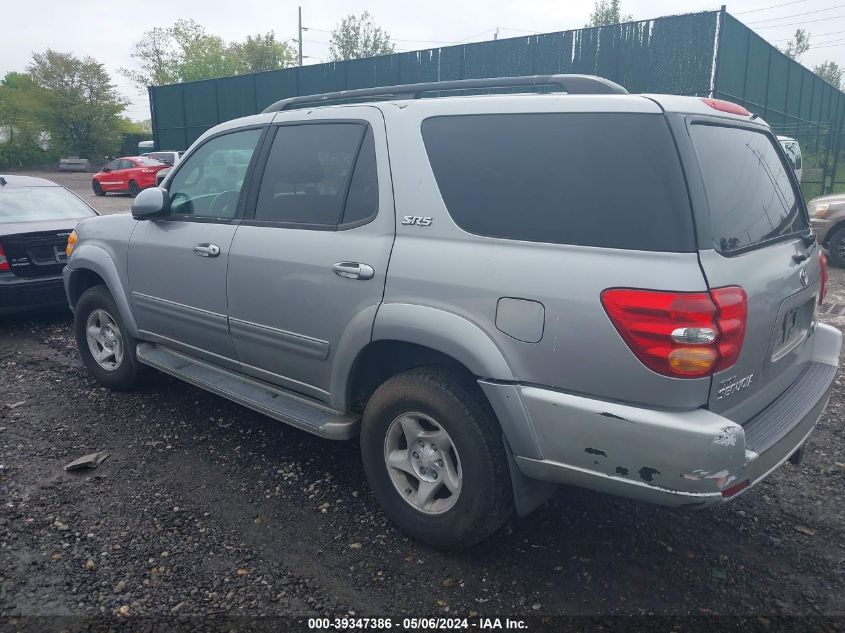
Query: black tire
836, 248
134, 189
129, 373
98, 189
454, 400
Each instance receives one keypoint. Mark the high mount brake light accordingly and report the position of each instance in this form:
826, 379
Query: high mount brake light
680, 334
726, 106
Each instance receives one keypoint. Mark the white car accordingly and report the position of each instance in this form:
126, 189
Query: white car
793, 154
171, 157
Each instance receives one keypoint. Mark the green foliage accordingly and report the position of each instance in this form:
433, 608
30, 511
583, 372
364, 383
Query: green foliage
831, 72
799, 45
76, 103
22, 139
358, 37
608, 12
262, 52
186, 52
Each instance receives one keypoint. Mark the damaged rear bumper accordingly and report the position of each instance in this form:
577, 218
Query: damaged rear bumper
674, 458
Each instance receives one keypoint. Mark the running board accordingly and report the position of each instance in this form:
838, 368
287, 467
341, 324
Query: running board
277, 403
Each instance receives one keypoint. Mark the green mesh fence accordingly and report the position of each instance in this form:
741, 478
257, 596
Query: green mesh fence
791, 98
670, 55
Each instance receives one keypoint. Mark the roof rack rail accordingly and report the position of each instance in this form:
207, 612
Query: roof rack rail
571, 84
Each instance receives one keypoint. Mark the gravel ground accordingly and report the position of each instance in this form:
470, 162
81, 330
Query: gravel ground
204, 507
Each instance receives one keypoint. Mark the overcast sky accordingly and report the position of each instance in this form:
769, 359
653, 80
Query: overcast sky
106, 29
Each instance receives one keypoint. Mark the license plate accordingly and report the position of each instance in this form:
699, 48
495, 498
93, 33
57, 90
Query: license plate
792, 327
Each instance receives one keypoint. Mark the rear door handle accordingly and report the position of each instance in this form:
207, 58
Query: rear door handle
353, 270
207, 250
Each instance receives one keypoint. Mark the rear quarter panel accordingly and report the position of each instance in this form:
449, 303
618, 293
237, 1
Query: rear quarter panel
443, 267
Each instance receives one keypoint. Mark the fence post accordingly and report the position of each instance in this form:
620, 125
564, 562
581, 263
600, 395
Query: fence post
720, 24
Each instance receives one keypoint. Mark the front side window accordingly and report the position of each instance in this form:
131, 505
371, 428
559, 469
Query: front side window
748, 188
208, 184
309, 175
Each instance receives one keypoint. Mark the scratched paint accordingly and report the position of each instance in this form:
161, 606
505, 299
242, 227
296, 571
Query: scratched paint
727, 436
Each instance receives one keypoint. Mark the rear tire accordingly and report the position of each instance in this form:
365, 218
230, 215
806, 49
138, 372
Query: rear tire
836, 248
105, 346
134, 189
430, 429
98, 189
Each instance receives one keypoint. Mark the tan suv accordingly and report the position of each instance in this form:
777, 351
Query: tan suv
827, 215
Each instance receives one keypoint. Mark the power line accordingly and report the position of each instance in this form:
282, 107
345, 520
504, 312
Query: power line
787, 39
776, 6
778, 26
796, 15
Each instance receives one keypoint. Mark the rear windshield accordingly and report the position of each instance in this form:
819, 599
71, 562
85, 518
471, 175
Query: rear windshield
30, 204
749, 192
600, 179
148, 161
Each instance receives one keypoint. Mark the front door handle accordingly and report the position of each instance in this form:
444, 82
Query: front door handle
207, 250
353, 270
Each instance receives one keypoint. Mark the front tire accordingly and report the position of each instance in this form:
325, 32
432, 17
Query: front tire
134, 189
106, 348
434, 457
836, 248
98, 189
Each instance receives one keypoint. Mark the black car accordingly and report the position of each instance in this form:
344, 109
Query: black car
36, 218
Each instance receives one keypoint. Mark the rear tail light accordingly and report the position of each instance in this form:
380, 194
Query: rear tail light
822, 277
4, 262
680, 334
726, 106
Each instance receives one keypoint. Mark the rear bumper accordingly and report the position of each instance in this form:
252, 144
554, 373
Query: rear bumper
675, 458
18, 294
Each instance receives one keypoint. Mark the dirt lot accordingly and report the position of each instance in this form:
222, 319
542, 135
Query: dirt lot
204, 507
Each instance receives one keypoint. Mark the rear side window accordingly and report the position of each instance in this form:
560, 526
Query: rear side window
749, 192
309, 173
591, 179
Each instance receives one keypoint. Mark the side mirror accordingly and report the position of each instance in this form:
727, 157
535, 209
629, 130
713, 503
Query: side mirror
105, 170
151, 203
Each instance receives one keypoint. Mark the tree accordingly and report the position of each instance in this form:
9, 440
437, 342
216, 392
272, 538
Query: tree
831, 72
76, 103
608, 12
185, 51
799, 45
358, 37
22, 139
263, 52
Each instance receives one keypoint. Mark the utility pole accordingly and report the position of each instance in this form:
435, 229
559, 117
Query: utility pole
496, 34
300, 36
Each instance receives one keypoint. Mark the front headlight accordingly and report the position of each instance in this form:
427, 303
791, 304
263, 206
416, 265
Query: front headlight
819, 209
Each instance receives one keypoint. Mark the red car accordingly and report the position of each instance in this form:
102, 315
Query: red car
130, 174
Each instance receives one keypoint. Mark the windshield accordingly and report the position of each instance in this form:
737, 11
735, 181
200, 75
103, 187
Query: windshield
30, 204
749, 191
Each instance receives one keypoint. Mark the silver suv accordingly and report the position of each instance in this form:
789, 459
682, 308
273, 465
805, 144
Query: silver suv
498, 292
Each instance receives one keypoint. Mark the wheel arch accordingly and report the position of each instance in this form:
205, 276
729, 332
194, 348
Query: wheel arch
90, 266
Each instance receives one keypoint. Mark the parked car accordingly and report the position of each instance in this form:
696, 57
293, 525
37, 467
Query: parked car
792, 149
130, 174
827, 215
500, 293
161, 175
169, 158
36, 218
